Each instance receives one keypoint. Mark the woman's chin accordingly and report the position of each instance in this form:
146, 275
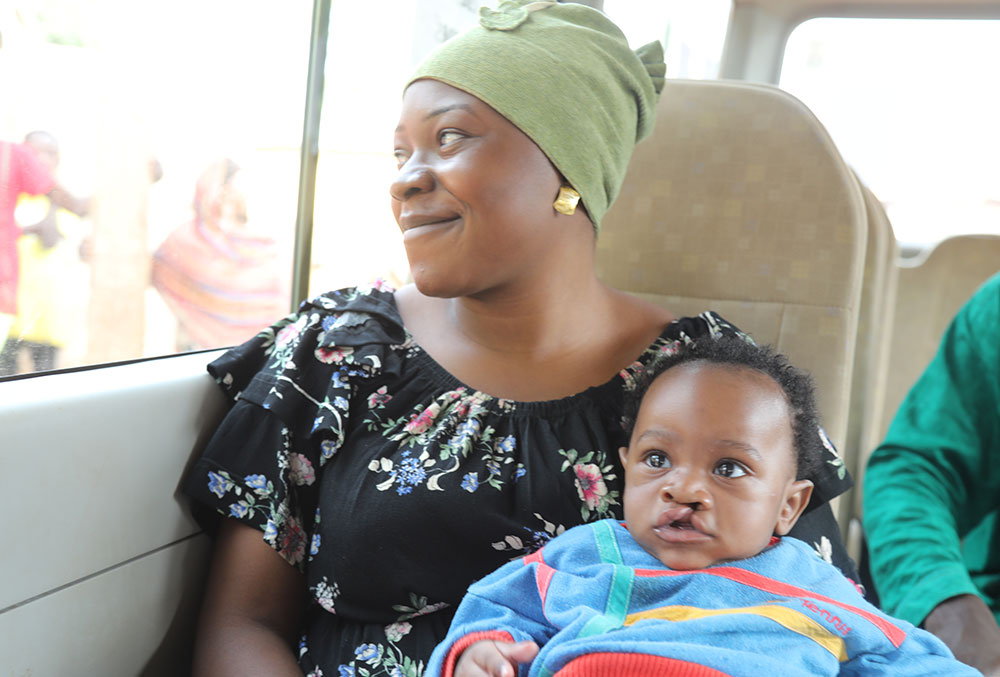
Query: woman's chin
430, 283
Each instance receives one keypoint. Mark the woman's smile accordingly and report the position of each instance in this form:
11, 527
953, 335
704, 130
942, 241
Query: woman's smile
421, 226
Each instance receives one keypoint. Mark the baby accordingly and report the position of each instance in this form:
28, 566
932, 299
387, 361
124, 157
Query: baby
698, 581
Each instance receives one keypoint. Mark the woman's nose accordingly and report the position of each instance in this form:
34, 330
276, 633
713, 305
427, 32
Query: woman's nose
414, 177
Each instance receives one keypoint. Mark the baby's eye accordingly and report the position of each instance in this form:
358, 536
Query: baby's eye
400, 158
449, 136
730, 469
657, 459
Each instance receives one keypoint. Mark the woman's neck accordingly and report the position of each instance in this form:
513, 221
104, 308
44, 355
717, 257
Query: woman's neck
534, 321
546, 342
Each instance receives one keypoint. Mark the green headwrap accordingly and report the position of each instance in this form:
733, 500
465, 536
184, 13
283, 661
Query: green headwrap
565, 76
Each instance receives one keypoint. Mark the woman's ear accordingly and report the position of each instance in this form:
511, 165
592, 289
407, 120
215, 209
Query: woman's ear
623, 454
796, 499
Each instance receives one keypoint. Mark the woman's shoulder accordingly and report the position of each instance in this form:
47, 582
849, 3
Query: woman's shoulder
707, 324
349, 330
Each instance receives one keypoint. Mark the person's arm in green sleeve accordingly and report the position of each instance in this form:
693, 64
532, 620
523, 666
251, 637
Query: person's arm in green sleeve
936, 476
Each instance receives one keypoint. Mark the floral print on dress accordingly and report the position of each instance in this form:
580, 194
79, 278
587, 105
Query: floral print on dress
592, 472
384, 659
453, 423
824, 550
531, 539
417, 607
325, 593
255, 499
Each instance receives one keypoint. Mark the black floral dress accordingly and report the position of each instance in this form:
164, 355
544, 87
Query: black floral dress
393, 486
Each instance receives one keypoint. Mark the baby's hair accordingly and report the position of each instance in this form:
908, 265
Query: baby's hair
795, 383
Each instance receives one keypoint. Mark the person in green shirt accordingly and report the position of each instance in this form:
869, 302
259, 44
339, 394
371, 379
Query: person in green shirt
932, 492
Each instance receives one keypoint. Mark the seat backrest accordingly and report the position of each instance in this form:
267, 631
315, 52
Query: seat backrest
104, 574
871, 349
878, 291
741, 203
931, 289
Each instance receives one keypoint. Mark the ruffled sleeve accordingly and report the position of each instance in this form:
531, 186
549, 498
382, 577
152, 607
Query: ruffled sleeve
290, 388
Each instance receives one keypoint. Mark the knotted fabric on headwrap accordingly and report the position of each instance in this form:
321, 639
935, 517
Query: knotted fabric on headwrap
565, 76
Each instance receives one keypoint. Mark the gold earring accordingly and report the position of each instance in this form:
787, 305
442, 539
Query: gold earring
566, 201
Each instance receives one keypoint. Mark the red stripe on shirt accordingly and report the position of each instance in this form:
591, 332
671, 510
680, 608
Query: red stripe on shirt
455, 652
893, 633
543, 574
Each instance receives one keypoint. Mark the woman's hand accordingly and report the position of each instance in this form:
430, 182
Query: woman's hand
970, 630
252, 608
490, 658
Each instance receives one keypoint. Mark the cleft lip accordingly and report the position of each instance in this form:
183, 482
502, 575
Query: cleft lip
677, 513
680, 518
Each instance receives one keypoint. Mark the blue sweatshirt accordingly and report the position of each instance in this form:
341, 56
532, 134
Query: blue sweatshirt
598, 604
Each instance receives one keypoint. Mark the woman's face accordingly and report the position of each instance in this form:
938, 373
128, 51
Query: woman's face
473, 195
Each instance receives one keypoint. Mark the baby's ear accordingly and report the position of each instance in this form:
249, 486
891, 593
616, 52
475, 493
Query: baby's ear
797, 497
623, 454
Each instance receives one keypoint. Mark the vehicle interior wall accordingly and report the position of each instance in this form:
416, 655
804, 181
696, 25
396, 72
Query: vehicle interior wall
104, 565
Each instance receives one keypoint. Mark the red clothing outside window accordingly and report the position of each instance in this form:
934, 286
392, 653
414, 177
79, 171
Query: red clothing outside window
20, 172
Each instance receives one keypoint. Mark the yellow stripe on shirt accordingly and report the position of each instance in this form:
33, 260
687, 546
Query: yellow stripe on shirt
789, 618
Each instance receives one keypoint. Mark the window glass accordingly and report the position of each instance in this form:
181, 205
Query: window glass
913, 107
180, 124
692, 32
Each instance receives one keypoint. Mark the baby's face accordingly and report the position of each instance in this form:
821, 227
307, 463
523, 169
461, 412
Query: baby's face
710, 469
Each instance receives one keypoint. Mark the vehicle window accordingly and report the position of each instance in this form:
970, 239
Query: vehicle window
180, 122
692, 32
179, 125
913, 107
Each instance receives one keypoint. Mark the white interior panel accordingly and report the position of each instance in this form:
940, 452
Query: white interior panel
136, 619
90, 465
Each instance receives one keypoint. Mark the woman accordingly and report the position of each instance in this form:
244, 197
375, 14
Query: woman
394, 447
218, 273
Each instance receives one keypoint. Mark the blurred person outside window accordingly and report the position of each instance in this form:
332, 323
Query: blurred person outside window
21, 171
47, 248
222, 278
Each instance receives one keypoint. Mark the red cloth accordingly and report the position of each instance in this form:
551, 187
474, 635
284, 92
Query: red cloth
20, 172
448, 670
634, 665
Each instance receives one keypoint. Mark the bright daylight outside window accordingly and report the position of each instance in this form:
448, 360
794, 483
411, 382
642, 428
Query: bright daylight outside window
180, 124
913, 107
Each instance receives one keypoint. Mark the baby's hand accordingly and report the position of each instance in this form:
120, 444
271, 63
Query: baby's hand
489, 658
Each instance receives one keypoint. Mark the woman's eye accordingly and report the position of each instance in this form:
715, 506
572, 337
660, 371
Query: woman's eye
449, 136
730, 469
400, 158
657, 460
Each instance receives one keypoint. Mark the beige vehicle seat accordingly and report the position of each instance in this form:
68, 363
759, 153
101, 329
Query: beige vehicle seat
931, 289
740, 203
871, 355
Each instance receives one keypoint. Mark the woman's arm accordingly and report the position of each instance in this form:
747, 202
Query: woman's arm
252, 608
